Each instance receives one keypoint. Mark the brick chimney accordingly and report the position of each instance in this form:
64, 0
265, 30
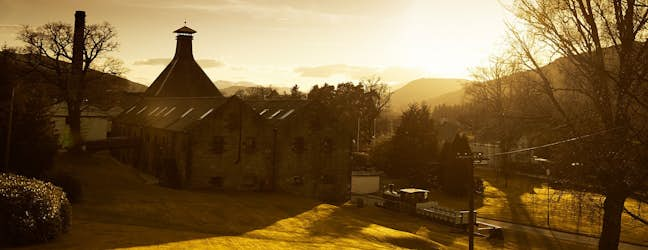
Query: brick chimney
78, 42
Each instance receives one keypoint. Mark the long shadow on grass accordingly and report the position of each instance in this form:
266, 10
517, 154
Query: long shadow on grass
120, 210
514, 192
351, 221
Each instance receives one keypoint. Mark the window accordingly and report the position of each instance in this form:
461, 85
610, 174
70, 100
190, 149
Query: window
250, 145
161, 111
286, 114
216, 181
130, 109
187, 112
155, 109
327, 145
328, 179
275, 114
218, 144
206, 113
297, 180
299, 145
169, 112
141, 110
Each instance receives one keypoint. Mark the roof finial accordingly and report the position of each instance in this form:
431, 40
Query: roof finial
185, 22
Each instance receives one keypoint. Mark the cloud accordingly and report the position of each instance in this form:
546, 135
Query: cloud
325, 71
205, 63
210, 63
389, 74
9, 27
153, 61
277, 11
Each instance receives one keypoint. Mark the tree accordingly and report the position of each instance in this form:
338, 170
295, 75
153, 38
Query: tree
455, 172
32, 143
356, 105
500, 107
379, 96
258, 93
605, 92
414, 146
49, 49
295, 93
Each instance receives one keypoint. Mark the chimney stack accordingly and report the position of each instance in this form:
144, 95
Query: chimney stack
78, 42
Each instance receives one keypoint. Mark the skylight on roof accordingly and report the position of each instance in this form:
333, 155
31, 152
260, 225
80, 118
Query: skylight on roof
169, 112
275, 114
141, 110
287, 114
264, 111
187, 112
206, 113
161, 111
155, 109
130, 109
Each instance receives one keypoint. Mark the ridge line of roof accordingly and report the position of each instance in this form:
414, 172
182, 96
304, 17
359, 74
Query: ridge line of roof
175, 60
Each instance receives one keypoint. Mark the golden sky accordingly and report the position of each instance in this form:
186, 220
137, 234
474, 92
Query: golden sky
283, 42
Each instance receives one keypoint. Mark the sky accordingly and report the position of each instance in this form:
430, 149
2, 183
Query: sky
287, 42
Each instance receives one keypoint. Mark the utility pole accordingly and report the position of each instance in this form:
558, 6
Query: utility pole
358, 136
471, 200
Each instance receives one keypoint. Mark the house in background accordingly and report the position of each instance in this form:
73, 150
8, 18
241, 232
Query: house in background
188, 135
365, 181
95, 123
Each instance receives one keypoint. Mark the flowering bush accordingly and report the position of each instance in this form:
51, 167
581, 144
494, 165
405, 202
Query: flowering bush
31, 210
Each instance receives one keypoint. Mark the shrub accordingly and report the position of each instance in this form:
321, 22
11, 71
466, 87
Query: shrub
31, 210
70, 185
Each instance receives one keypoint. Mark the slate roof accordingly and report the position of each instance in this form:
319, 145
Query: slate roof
276, 111
171, 113
183, 77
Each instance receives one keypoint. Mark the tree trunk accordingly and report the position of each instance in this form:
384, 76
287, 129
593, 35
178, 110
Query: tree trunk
74, 121
611, 230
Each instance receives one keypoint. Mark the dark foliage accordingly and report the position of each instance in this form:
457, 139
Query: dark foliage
411, 152
31, 211
455, 171
70, 185
33, 143
356, 106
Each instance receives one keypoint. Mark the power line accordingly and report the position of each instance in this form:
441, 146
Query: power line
554, 143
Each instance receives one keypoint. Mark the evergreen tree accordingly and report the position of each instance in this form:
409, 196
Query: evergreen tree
455, 171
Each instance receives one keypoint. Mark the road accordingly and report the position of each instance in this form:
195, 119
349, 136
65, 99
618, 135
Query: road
555, 234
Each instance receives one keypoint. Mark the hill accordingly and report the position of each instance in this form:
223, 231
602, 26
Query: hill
426, 89
102, 90
228, 88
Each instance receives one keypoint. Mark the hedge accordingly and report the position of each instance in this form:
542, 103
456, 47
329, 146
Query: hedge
31, 211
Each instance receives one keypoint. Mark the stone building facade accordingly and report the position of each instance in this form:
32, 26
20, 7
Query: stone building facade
189, 136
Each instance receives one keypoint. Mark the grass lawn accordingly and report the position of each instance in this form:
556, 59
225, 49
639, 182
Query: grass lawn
524, 201
119, 210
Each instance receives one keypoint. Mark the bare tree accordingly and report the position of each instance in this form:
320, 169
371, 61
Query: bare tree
603, 88
492, 91
49, 51
380, 95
